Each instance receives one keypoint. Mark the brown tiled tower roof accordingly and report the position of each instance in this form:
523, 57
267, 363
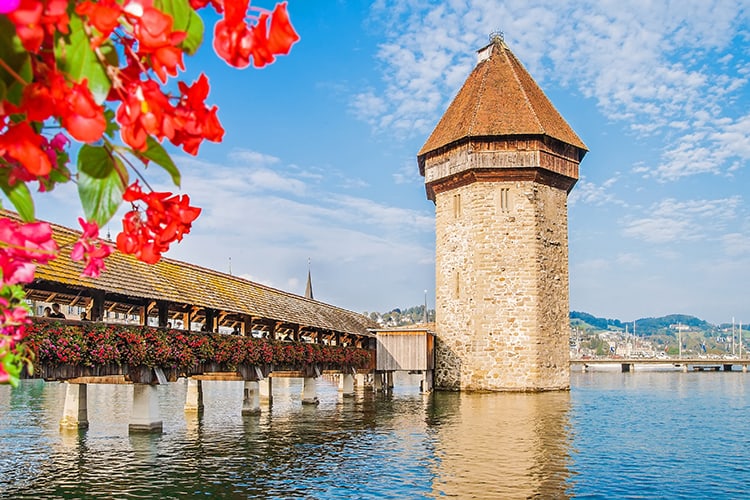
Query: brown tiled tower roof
499, 98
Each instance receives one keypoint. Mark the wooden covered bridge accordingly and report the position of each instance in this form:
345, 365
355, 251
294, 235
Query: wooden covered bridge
184, 301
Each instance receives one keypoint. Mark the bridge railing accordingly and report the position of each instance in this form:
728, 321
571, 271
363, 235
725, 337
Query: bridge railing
69, 349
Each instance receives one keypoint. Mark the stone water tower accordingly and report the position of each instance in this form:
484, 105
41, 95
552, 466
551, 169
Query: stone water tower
499, 166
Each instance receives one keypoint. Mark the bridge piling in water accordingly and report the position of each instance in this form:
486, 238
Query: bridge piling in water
75, 410
346, 384
265, 391
309, 391
251, 398
194, 396
145, 416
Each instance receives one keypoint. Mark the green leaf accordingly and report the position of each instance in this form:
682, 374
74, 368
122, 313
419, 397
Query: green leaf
102, 180
194, 32
15, 56
157, 154
20, 197
79, 60
185, 19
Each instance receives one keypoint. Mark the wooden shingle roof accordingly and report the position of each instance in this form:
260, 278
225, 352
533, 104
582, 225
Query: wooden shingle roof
182, 283
499, 98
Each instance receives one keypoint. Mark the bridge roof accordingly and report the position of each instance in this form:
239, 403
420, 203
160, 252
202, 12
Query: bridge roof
181, 283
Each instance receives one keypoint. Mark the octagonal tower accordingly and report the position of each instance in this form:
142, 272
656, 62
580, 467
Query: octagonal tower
499, 166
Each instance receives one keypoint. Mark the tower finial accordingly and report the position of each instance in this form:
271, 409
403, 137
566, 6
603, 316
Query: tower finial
497, 37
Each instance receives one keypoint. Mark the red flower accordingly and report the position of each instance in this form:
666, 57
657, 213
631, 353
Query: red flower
168, 217
24, 144
144, 111
83, 118
197, 121
103, 15
235, 42
282, 35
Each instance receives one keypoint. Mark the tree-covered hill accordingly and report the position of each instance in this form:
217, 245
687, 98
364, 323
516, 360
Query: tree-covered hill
643, 326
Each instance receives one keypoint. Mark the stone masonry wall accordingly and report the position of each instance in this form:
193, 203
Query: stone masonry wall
502, 287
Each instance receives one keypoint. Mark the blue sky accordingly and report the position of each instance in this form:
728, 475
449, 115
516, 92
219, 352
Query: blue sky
319, 158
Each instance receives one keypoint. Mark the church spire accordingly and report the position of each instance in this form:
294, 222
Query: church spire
308, 288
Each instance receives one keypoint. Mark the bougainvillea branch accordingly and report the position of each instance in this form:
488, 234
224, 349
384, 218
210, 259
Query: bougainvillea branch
97, 73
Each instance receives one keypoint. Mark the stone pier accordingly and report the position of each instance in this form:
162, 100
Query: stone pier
310, 391
251, 398
75, 411
346, 384
145, 416
265, 391
194, 396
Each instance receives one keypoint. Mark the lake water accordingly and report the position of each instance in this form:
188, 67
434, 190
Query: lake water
614, 435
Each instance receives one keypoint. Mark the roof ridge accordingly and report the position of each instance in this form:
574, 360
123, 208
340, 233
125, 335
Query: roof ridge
508, 55
480, 92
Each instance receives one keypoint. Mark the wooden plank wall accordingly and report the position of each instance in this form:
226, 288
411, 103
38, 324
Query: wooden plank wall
403, 351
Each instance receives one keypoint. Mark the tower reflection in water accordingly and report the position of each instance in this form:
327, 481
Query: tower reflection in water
501, 445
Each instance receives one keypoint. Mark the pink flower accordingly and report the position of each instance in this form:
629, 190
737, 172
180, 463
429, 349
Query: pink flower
7, 6
22, 246
86, 248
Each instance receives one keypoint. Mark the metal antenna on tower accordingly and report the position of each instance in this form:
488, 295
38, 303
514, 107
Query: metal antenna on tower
497, 36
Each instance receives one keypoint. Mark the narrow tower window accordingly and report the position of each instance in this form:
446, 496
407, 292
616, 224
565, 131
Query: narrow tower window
504, 201
457, 205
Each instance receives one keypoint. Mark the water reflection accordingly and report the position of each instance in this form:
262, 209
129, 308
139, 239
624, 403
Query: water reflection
401, 445
500, 445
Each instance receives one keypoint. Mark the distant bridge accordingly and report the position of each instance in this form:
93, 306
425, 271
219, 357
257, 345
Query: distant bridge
686, 364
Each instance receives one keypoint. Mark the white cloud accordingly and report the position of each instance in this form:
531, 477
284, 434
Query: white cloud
270, 231
593, 194
253, 158
656, 67
674, 221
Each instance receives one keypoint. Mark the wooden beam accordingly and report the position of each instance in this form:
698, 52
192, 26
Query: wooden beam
231, 376
287, 374
106, 379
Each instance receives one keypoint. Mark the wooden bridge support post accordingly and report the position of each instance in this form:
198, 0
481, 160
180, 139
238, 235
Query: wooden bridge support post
145, 416
96, 312
389, 381
377, 381
75, 411
194, 396
251, 399
265, 390
360, 380
425, 386
163, 311
744, 368
309, 391
684, 368
346, 384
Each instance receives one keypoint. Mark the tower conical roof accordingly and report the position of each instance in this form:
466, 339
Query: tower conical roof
499, 98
